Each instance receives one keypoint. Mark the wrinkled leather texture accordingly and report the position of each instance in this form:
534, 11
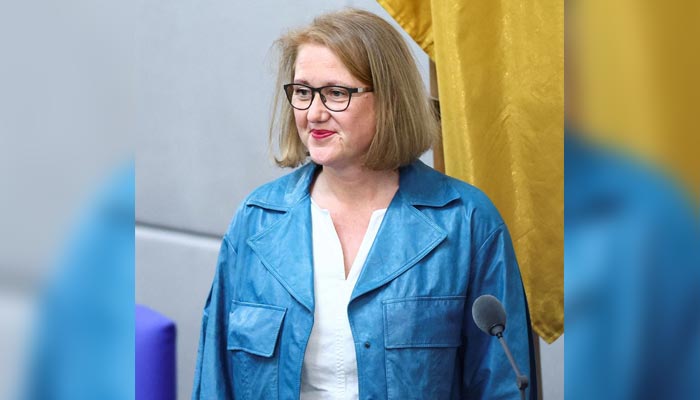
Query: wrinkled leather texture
441, 245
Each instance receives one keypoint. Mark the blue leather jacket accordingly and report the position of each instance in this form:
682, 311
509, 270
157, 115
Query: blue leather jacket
441, 245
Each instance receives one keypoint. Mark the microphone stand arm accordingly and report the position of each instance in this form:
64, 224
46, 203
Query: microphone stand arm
522, 380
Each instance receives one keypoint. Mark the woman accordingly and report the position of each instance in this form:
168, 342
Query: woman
354, 276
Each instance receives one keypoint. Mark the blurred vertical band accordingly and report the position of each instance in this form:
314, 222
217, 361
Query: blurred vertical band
632, 234
66, 199
83, 342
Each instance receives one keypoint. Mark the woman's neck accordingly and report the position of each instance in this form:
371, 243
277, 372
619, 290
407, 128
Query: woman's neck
355, 186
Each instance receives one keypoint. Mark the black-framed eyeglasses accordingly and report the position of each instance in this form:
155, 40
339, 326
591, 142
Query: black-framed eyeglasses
335, 98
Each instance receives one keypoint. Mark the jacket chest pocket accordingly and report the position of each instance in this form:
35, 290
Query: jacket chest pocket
253, 332
421, 339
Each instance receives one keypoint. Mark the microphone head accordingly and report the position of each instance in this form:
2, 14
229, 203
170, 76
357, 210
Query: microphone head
489, 314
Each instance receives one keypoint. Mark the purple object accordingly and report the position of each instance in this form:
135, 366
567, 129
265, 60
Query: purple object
155, 356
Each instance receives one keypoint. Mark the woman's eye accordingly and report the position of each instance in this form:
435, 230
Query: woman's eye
338, 93
302, 92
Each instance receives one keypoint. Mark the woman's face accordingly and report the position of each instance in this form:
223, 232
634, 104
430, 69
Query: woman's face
334, 139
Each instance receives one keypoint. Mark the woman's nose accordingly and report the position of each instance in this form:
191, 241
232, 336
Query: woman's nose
317, 111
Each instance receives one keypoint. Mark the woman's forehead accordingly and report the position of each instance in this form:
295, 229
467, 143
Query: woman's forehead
318, 65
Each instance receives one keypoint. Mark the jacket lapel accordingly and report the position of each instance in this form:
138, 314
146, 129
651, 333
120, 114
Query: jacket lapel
285, 250
406, 235
403, 241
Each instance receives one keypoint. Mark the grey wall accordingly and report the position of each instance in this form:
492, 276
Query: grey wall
204, 83
552, 373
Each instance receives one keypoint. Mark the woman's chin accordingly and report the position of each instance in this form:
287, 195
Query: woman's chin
321, 158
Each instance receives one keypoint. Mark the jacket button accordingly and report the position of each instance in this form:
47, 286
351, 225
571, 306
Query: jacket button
367, 345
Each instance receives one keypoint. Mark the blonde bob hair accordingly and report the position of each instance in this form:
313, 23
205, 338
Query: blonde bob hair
376, 54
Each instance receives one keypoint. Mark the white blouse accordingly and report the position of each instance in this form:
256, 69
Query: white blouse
330, 366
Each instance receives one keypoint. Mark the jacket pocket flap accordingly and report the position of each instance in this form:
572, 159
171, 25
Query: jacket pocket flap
254, 328
423, 322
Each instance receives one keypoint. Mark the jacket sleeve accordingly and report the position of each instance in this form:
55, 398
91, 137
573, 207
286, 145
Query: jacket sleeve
213, 373
487, 371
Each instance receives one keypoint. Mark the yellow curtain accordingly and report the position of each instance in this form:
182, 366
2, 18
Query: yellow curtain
500, 72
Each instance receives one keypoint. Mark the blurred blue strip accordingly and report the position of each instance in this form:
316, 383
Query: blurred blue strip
84, 338
632, 279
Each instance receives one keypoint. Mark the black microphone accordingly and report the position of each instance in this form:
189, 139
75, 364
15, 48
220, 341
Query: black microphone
490, 316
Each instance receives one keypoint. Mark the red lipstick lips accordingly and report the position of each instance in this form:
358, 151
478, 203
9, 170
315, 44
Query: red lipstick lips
321, 133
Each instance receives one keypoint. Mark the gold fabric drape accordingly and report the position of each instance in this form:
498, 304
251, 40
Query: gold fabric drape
500, 71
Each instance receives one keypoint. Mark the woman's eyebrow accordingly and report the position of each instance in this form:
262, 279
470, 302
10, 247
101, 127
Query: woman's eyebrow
325, 83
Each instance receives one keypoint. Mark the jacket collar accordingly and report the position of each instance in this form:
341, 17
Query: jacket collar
419, 185
285, 248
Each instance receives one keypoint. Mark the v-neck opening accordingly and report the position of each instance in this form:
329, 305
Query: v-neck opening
368, 239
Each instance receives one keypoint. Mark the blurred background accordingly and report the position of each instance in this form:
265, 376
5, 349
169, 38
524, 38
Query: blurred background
66, 124
632, 180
